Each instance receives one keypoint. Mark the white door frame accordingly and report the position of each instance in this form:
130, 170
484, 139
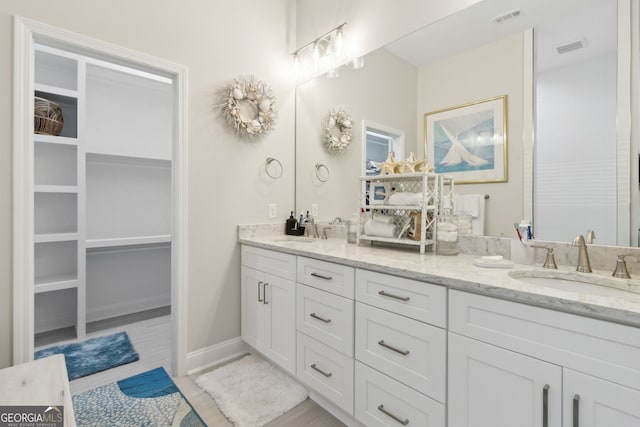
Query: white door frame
26, 33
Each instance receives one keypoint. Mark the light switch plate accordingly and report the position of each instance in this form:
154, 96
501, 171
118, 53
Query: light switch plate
314, 210
273, 211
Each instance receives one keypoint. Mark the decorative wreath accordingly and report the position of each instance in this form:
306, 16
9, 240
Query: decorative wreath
249, 106
338, 141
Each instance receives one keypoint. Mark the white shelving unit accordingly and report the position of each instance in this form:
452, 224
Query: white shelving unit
431, 187
102, 191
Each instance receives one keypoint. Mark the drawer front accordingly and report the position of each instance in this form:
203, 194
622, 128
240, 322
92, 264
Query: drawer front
381, 401
326, 370
409, 351
334, 278
276, 263
411, 298
325, 317
595, 347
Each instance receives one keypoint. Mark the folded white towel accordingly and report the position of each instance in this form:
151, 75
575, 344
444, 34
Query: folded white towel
386, 219
401, 198
380, 229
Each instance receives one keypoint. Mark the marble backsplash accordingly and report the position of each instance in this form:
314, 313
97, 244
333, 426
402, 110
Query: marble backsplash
601, 257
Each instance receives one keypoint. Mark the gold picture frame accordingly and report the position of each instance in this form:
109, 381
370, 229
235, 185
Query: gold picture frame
469, 142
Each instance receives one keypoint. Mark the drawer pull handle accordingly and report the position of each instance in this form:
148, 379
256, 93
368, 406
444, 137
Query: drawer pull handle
395, 417
326, 374
320, 276
259, 297
545, 406
265, 293
322, 319
390, 347
576, 410
386, 294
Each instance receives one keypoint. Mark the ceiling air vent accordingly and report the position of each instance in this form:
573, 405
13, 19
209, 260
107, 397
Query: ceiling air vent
506, 16
570, 46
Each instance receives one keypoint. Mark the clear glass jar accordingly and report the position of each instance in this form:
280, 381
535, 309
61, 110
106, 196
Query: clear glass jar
447, 235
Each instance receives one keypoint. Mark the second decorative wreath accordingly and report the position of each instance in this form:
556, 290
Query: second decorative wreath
341, 122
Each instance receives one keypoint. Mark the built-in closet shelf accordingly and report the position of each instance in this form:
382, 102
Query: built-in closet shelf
55, 283
55, 237
55, 90
127, 160
50, 139
127, 241
55, 188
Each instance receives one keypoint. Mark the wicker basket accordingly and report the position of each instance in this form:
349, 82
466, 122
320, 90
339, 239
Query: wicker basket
47, 117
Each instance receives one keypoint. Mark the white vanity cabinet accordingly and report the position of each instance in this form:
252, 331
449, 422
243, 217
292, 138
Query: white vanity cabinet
324, 320
268, 304
514, 364
400, 347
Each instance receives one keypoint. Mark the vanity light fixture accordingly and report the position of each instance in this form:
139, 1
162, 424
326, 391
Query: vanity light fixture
326, 51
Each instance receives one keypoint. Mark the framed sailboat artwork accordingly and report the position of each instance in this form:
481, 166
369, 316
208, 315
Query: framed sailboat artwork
469, 142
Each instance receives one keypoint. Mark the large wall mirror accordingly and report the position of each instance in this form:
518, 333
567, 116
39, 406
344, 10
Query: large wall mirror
563, 81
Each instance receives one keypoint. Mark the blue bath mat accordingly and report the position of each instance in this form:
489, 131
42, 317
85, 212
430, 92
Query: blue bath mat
94, 355
147, 399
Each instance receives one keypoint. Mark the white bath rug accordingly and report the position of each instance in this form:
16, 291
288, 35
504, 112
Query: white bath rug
251, 391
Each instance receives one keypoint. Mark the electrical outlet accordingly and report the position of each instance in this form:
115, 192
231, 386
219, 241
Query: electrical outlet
314, 210
273, 211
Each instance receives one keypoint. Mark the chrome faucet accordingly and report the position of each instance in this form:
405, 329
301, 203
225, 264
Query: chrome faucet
584, 266
336, 220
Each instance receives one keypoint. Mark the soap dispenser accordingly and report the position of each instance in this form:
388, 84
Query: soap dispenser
291, 224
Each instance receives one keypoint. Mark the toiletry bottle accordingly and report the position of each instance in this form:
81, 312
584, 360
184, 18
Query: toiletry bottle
291, 224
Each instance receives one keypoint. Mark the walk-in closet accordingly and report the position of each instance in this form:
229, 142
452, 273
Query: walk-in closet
102, 192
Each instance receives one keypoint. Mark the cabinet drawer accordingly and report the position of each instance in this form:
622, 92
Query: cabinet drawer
418, 300
325, 317
409, 351
277, 263
334, 278
381, 401
596, 347
326, 370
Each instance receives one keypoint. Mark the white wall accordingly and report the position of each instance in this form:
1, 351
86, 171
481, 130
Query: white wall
491, 70
567, 121
366, 94
217, 41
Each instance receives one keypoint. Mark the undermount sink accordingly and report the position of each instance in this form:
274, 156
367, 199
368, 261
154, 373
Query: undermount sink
586, 283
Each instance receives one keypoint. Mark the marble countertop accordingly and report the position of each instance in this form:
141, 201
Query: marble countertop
459, 272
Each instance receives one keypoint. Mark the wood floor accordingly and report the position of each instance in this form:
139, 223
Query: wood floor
152, 338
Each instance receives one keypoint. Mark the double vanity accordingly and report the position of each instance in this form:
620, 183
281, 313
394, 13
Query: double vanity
387, 337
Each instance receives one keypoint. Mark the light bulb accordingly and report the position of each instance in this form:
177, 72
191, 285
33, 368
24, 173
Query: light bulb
338, 43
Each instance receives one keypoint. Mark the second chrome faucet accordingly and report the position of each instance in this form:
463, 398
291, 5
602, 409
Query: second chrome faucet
584, 266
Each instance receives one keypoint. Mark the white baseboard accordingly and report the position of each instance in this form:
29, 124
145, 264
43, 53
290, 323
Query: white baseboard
215, 354
127, 307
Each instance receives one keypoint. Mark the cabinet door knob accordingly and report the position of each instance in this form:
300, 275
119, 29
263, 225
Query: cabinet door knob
390, 347
404, 422
265, 293
315, 368
320, 276
386, 294
322, 319
545, 405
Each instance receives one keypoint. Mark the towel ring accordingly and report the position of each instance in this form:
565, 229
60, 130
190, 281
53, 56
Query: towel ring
266, 168
319, 174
